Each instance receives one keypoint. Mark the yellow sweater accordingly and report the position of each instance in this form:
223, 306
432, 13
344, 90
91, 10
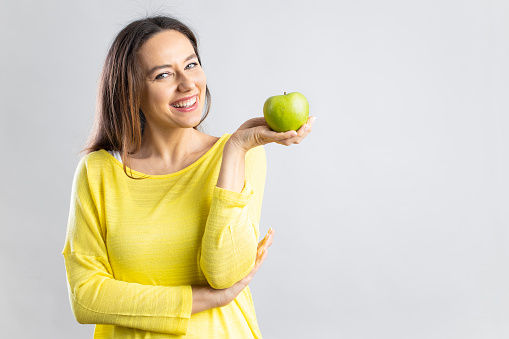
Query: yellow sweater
134, 247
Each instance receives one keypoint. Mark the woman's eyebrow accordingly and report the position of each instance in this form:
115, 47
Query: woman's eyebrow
155, 68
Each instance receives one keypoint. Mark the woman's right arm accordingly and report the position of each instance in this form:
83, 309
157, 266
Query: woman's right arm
96, 296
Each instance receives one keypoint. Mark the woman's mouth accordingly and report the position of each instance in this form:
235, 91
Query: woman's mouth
186, 104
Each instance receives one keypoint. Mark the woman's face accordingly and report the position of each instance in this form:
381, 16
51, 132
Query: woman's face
173, 93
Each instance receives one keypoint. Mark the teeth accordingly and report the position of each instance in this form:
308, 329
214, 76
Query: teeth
186, 103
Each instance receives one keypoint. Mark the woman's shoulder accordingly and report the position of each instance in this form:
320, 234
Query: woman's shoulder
96, 158
95, 163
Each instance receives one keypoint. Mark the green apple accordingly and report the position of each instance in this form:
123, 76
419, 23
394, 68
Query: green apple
286, 112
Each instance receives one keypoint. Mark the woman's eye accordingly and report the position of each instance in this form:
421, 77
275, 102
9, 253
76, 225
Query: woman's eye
163, 76
192, 65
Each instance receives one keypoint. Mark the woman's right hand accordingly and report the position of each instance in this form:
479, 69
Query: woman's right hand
205, 297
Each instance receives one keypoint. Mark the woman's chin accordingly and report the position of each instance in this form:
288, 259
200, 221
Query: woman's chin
191, 123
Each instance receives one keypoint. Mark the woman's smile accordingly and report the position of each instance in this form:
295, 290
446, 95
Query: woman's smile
186, 104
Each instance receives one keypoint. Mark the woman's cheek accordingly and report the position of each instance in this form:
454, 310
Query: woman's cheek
202, 83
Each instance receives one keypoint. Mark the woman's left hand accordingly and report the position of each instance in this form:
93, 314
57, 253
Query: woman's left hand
256, 132
205, 297
227, 295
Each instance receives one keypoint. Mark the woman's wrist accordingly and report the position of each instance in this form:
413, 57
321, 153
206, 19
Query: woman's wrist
203, 299
231, 176
235, 144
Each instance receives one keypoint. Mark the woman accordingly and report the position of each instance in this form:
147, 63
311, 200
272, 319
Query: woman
162, 238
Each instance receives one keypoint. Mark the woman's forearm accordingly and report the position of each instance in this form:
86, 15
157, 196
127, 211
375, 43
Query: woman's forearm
230, 235
232, 173
203, 299
206, 297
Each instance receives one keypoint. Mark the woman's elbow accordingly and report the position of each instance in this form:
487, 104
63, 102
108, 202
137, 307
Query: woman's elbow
220, 282
228, 276
80, 314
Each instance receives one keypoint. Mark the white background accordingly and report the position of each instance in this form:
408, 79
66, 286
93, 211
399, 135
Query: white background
391, 218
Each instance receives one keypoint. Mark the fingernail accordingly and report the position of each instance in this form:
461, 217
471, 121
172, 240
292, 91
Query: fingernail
313, 120
270, 230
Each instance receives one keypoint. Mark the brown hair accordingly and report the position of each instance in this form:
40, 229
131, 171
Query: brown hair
119, 121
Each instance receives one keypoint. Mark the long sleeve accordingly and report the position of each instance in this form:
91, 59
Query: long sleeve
96, 296
231, 234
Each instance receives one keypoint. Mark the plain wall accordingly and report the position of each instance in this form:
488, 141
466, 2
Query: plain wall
391, 218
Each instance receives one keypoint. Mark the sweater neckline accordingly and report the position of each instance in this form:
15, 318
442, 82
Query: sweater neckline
162, 176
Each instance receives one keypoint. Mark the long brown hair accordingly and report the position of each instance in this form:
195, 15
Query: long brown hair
119, 121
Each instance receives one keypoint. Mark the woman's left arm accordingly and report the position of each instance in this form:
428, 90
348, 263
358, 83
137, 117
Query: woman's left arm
230, 239
254, 132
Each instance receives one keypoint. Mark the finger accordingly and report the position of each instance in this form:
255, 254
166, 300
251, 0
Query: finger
260, 244
294, 139
308, 126
258, 262
303, 131
311, 121
270, 238
278, 137
261, 258
288, 141
289, 137
267, 240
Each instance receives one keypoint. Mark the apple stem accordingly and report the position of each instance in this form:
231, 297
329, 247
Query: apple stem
285, 93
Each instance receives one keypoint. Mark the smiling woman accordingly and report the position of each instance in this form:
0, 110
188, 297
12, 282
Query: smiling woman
136, 60
171, 253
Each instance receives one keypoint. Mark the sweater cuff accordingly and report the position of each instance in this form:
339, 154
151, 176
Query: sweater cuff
187, 306
234, 199
187, 296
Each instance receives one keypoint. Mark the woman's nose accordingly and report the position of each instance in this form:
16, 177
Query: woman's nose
185, 83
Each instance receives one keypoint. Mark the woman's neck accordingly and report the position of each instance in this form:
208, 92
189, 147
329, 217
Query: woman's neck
169, 146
